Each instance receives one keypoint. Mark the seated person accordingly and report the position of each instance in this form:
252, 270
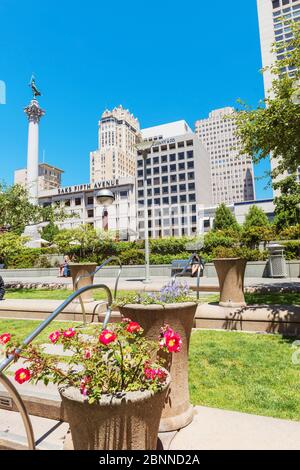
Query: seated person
197, 265
64, 267
2, 288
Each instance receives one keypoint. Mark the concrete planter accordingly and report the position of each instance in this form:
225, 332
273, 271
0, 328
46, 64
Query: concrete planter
87, 270
129, 421
177, 412
231, 273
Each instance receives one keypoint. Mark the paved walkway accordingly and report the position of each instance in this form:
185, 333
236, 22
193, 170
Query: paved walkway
157, 282
212, 429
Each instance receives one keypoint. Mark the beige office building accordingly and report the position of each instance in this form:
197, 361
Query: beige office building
49, 177
116, 154
232, 176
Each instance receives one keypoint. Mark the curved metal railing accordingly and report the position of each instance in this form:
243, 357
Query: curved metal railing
8, 360
85, 276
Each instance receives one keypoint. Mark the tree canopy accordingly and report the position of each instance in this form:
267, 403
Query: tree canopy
287, 205
224, 219
16, 211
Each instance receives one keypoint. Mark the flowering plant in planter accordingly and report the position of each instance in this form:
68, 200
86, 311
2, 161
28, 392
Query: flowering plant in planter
173, 292
112, 361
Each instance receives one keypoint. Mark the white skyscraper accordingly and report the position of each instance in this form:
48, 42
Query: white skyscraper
272, 15
116, 154
231, 175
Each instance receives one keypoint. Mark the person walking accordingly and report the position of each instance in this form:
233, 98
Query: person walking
2, 288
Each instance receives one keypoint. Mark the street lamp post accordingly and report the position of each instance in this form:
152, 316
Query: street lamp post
105, 197
144, 148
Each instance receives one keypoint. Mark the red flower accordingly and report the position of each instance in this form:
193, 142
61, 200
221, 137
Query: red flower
4, 338
54, 336
172, 341
69, 333
107, 337
152, 374
133, 327
22, 375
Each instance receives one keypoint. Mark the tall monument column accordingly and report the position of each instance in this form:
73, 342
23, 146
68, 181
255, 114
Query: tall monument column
34, 114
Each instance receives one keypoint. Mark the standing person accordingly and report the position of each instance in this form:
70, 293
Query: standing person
2, 288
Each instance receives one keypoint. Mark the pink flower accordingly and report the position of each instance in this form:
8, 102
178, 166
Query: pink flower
133, 327
87, 354
69, 333
54, 336
5, 338
172, 341
22, 375
84, 386
107, 337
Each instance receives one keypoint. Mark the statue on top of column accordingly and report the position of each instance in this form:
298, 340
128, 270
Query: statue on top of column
34, 89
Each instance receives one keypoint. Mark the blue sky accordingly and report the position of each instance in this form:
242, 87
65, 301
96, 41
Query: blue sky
163, 60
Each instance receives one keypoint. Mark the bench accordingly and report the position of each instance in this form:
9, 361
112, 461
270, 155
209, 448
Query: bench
183, 267
178, 265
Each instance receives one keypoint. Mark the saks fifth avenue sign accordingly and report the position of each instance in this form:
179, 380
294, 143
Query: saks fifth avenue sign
87, 187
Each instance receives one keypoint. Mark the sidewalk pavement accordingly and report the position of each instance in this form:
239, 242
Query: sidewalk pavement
156, 282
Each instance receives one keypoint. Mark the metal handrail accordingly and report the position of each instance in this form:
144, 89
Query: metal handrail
185, 269
84, 276
8, 360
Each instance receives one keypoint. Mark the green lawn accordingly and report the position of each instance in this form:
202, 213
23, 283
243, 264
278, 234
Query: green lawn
58, 294
252, 373
62, 294
244, 372
21, 328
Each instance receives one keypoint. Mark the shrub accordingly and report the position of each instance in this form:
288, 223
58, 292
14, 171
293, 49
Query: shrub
290, 233
292, 249
240, 252
132, 257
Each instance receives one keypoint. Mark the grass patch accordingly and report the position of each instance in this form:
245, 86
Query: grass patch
279, 298
62, 294
58, 294
250, 373
19, 329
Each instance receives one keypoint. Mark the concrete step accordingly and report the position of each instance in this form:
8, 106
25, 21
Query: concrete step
49, 434
41, 401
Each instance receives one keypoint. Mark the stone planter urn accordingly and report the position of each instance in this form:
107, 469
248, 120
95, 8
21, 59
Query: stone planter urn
86, 270
177, 412
231, 272
127, 421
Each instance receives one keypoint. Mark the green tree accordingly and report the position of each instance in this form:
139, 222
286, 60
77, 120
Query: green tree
255, 217
11, 244
274, 127
224, 219
49, 231
287, 205
16, 211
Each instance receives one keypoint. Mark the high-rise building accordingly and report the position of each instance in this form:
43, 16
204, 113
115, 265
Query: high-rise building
116, 154
274, 16
178, 181
49, 177
232, 176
